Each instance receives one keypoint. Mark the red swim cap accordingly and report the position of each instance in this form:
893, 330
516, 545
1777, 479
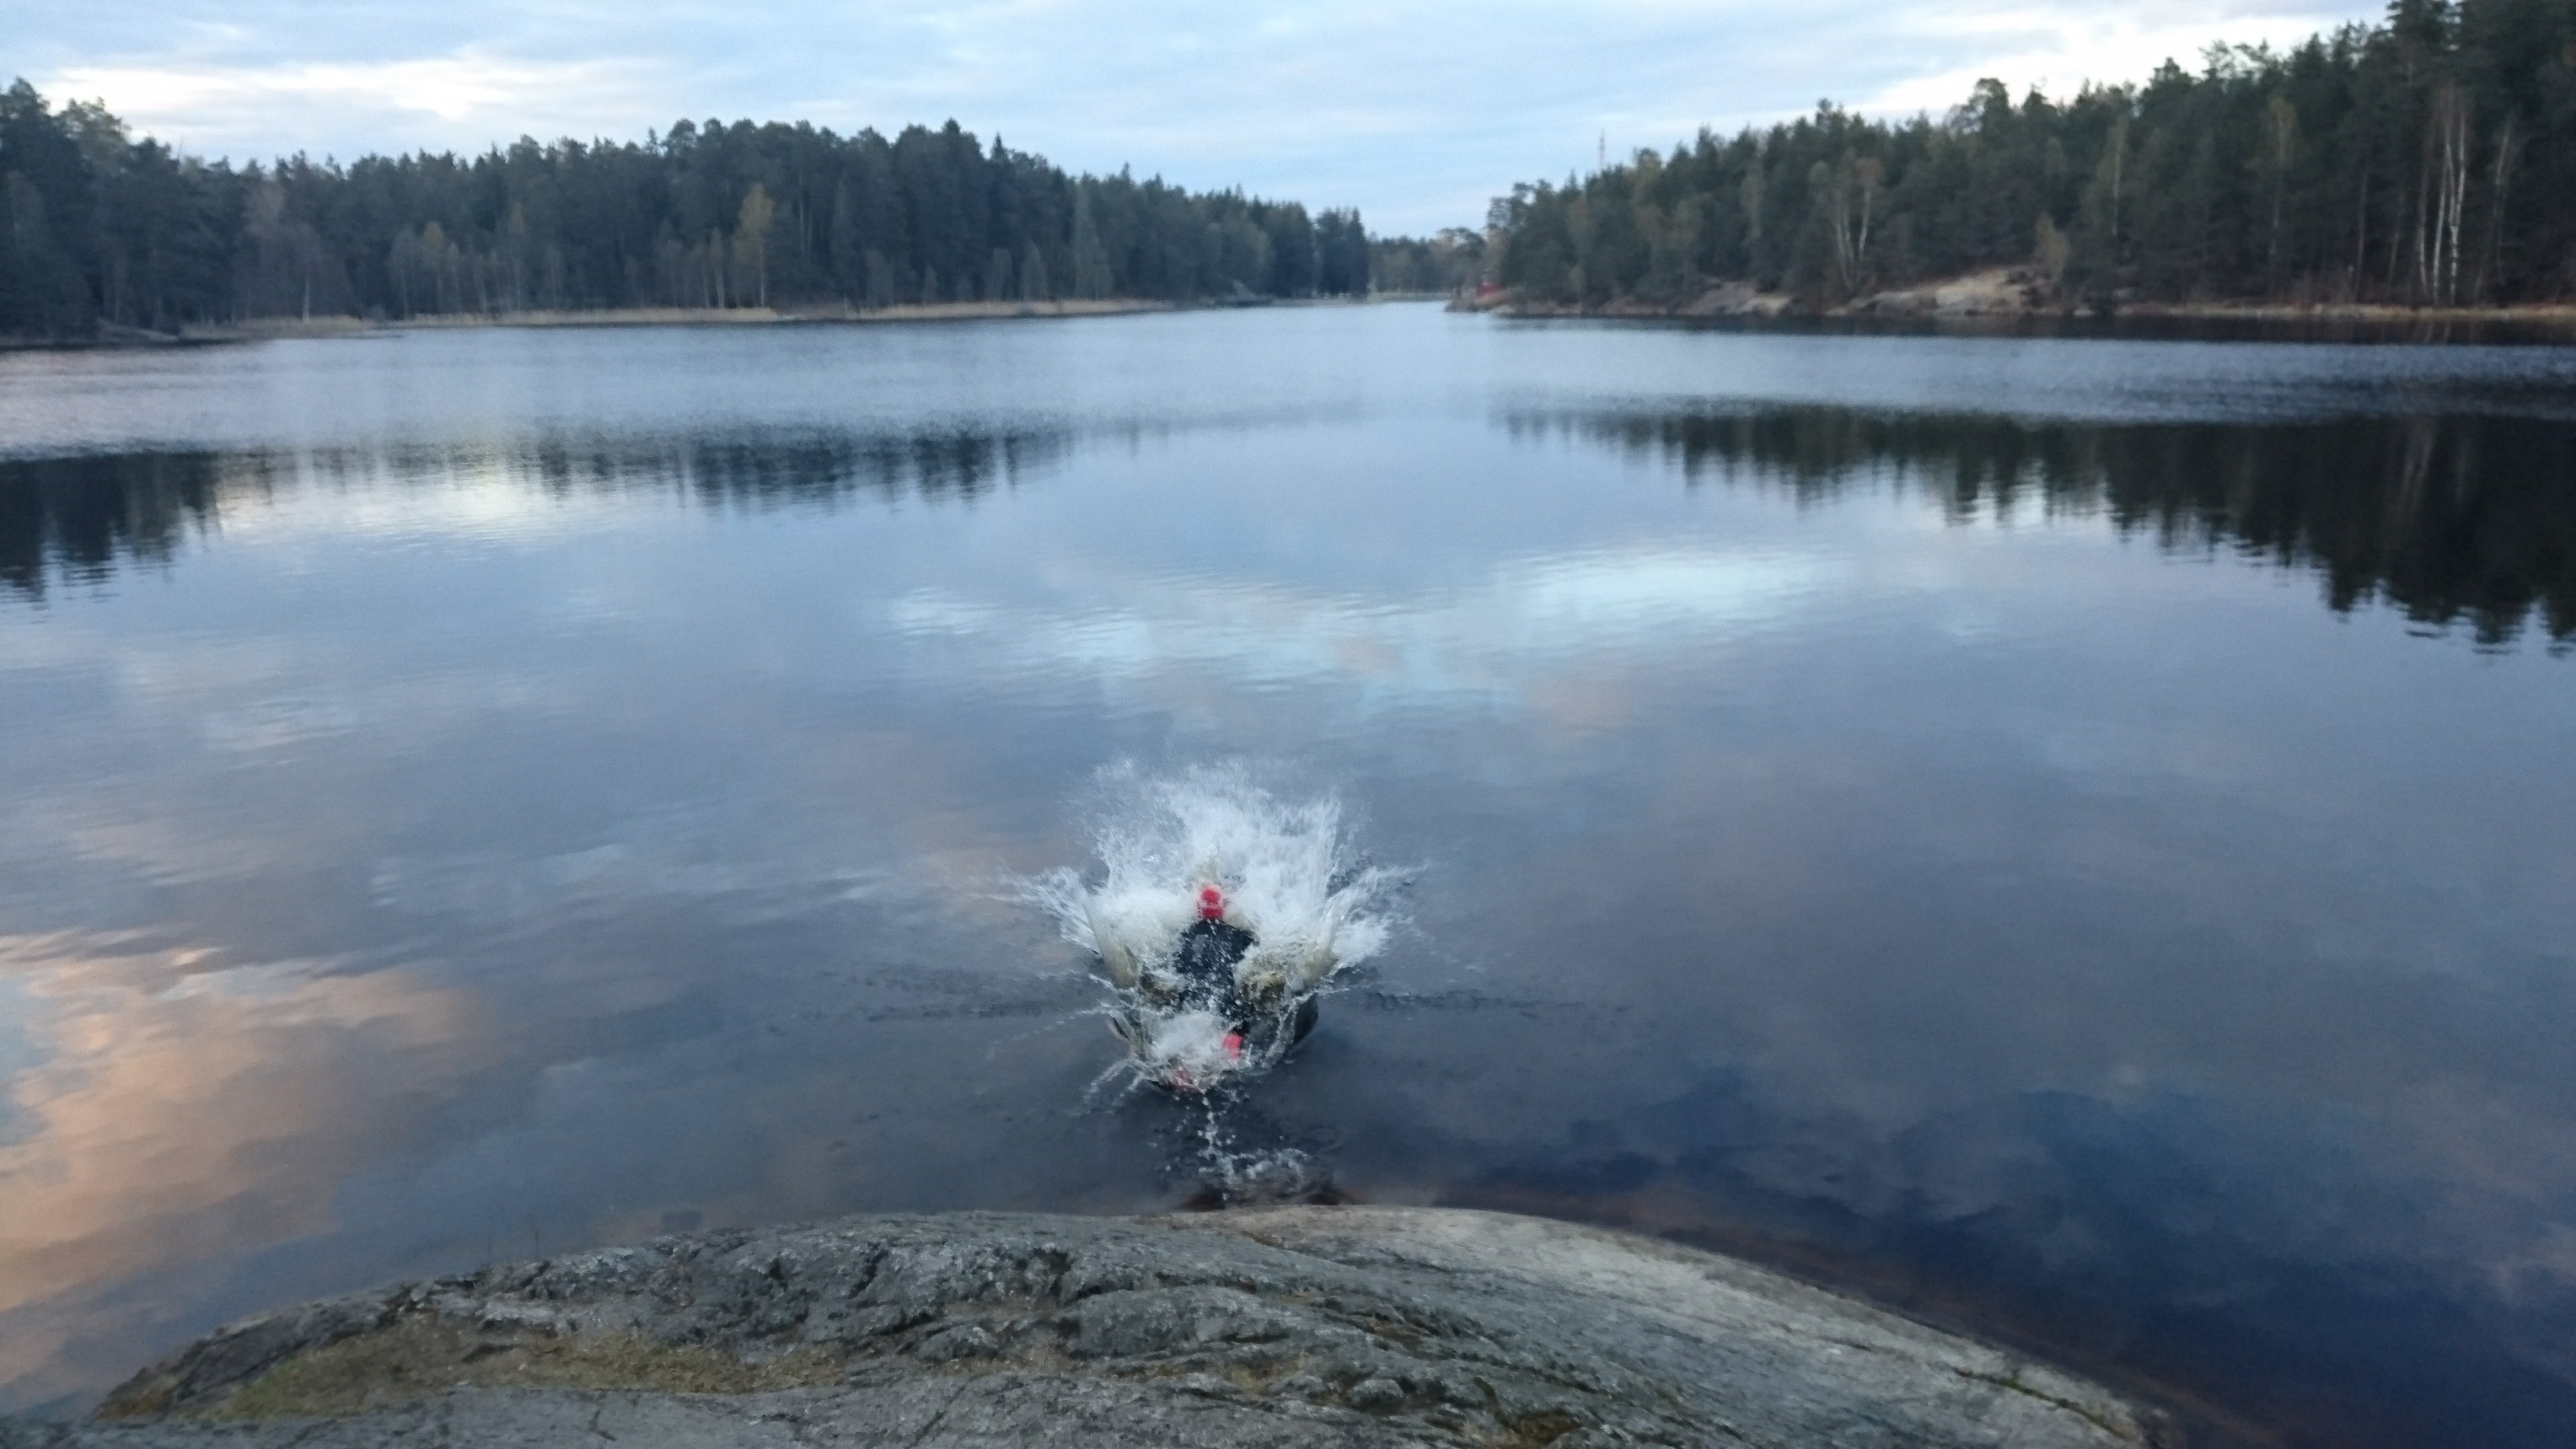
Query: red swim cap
1211, 903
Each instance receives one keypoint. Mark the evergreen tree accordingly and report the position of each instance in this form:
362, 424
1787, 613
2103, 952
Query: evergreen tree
2429, 160
1091, 279
97, 227
1033, 274
751, 238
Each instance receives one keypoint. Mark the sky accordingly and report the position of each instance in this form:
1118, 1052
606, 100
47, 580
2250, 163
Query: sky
1417, 113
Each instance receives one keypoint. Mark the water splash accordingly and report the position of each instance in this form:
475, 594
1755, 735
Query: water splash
1234, 1155
1290, 875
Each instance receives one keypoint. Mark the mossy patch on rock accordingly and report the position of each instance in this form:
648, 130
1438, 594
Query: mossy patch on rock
422, 1355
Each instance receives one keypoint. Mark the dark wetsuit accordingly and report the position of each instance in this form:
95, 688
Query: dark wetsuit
1205, 957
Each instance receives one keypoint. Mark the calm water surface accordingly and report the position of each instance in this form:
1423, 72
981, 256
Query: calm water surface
2076, 838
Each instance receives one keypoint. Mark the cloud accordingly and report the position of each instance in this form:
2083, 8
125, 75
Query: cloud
245, 109
2058, 50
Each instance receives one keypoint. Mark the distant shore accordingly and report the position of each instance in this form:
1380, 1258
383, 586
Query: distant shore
768, 316
2006, 297
261, 329
264, 329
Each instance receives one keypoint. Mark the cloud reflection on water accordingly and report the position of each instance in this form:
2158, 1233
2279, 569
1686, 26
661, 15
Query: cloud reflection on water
1528, 617
180, 1110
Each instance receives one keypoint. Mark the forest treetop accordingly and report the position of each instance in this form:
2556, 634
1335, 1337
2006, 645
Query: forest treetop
2427, 160
102, 227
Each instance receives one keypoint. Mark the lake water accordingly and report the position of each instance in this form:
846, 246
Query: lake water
2074, 838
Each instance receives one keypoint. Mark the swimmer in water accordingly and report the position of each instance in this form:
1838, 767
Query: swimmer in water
1205, 958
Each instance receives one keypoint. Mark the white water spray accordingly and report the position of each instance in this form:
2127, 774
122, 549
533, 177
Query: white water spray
1288, 875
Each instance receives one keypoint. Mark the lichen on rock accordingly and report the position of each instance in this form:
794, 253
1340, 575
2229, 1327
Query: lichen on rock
1358, 1326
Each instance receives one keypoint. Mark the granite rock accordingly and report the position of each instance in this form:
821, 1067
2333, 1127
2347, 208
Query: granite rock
1356, 1326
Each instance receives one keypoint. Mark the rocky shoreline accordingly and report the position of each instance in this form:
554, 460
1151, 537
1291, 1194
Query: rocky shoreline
1357, 1326
2007, 295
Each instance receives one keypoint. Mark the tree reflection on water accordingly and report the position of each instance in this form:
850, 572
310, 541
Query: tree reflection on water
72, 520
2450, 518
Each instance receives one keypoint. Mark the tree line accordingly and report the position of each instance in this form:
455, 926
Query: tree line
1448, 261
2428, 160
97, 226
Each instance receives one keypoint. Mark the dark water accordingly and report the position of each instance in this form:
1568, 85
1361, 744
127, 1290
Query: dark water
2077, 838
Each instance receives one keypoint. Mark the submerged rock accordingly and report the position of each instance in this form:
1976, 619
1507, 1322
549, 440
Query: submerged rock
1282, 1326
